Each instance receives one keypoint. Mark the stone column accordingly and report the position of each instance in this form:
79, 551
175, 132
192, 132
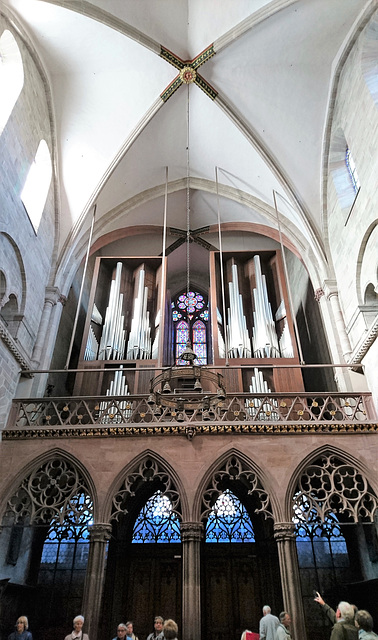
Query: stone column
51, 298
332, 293
99, 534
291, 589
191, 536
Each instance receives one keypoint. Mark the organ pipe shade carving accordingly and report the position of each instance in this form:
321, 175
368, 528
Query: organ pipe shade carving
112, 344
239, 342
264, 336
139, 344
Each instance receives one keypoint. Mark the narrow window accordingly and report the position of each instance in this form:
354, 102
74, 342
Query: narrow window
351, 166
34, 193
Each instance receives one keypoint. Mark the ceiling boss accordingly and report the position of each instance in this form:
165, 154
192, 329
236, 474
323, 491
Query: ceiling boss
188, 75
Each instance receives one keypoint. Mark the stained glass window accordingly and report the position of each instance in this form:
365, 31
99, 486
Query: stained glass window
157, 522
190, 313
229, 521
199, 342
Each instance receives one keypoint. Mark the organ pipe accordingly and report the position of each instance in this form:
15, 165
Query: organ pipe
139, 344
239, 342
111, 413
112, 344
92, 346
257, 406
264, 336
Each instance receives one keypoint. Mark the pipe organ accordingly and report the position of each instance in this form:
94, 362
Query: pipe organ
264, 336
112, 344
139, 344
110, 413
239, 342
254, 405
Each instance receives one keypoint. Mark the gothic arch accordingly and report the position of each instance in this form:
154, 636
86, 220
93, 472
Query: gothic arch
71, 465
146, 467
239, 467
335, 481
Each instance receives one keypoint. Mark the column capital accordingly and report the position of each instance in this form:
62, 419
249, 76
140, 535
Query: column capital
330, 288
284, 531
52, 295
100, 532
191, 531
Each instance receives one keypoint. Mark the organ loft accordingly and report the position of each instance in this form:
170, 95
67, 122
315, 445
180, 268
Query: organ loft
188, 314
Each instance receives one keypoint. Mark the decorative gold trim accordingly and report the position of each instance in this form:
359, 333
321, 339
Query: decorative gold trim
115, 431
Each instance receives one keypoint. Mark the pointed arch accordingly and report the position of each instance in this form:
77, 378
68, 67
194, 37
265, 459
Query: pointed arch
77, 473
327, 473
145, 474
234, 469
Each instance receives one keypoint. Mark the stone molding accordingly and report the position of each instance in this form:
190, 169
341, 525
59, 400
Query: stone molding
208, 429
284, 531
191, 531
100, 532
13, 348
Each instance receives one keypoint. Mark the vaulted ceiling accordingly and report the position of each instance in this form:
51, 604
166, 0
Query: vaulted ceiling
255, 113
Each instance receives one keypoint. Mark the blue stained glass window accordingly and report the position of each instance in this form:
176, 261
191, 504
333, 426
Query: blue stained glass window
186, 311
229, 521
157, 522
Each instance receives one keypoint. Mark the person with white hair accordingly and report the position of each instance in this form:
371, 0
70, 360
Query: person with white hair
21, 632
268, 624
77, 632
344, 629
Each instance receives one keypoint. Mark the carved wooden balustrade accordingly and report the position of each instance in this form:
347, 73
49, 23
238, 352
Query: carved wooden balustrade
190, 414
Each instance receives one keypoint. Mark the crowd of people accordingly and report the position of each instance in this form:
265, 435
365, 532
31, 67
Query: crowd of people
348, 622
163, 630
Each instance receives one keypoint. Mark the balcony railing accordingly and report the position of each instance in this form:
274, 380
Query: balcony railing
241, 412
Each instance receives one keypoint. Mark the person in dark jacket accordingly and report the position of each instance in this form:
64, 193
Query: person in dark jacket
344, 629
21, 632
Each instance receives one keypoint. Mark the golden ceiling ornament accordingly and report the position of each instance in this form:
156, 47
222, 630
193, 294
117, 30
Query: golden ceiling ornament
188, 75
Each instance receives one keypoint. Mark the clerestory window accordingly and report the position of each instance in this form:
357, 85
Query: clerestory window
36, 188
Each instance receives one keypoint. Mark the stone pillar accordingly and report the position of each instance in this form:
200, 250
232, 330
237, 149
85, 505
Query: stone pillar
191, 536
52, 297
332, 293
99, 534
291, 589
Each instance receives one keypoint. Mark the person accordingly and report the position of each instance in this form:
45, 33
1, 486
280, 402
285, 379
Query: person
130, 631
157, 633
344, 628
244, 634
364, 624
77, 632
121, 632
21, 632
283, 629
268, 624
170, 630
330, 613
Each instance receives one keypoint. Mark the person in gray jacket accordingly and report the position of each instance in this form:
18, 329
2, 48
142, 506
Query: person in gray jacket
283, 629
268, 624
157, 633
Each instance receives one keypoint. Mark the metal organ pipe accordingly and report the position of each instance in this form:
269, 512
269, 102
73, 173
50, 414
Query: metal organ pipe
112, 344
239, 340
139, 344
264, 336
